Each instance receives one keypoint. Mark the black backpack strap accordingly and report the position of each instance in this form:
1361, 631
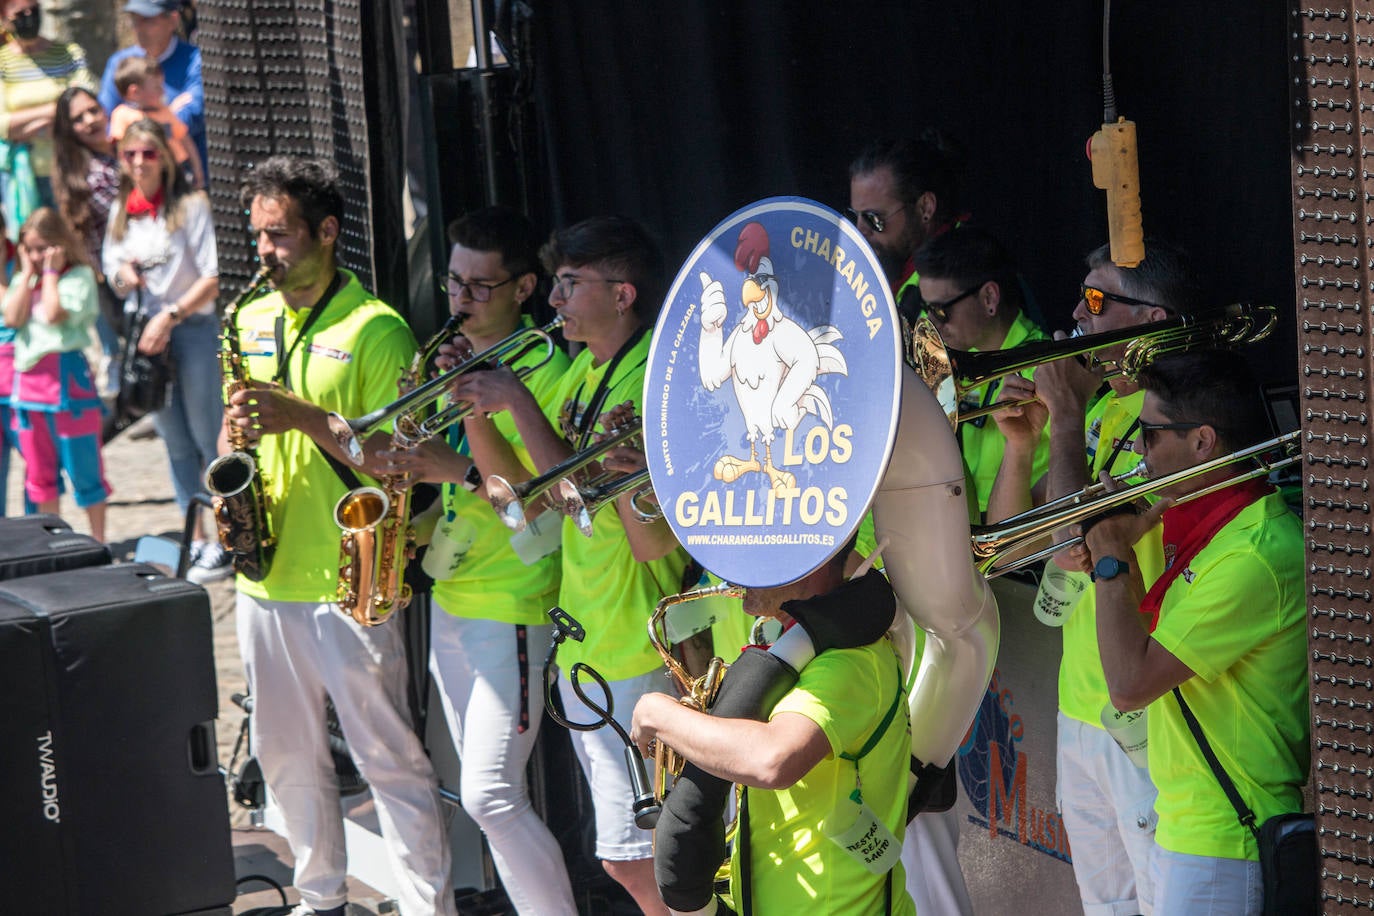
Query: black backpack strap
1243, 812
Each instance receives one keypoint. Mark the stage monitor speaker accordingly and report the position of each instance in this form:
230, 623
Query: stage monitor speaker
109, 783
31, 545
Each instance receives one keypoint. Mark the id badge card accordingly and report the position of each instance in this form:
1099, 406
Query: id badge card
867, 840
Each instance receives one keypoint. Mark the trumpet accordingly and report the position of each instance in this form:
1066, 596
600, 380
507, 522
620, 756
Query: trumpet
412, 427
945, 369
581, 503
697, 693
991, 543
509, 499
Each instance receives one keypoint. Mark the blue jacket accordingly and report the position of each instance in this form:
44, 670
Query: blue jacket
180, 72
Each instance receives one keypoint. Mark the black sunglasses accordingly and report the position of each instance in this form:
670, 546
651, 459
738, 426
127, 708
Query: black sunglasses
1097, 299
940, 310
876, 221
1147, 428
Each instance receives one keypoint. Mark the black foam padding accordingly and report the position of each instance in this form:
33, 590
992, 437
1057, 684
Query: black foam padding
109, 784
689, 841
31, 545
856, 614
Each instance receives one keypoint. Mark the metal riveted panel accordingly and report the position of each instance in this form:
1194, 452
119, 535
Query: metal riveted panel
1332, 130
285, 76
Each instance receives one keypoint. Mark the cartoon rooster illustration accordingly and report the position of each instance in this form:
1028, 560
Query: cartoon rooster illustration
774, 362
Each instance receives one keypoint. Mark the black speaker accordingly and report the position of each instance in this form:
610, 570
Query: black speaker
109, 785
31, 545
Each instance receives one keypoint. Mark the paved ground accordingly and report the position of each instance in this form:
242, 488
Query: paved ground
142, 504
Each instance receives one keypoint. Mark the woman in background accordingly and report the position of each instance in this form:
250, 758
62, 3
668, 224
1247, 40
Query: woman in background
160, 256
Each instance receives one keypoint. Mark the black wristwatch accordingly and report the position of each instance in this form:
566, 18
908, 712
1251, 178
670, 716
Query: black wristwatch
472, 479
1108, 568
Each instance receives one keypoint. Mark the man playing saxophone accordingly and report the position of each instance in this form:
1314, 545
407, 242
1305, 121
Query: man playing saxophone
490, 627
322, 343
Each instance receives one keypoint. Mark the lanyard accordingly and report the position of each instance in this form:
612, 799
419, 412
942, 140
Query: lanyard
279, 331
603, 390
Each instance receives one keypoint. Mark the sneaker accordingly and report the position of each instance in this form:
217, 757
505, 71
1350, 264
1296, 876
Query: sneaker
302, 909
212, 565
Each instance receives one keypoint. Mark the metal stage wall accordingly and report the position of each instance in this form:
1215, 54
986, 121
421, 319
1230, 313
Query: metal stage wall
1332, 92
308, 77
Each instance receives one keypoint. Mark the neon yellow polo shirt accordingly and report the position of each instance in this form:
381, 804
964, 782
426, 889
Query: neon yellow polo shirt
1082, 683
796, 868
1236, 617
981, 442
350, 363
610, 594
491, 582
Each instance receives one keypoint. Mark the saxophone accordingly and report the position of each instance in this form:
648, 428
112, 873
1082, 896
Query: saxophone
242, 518
375, 521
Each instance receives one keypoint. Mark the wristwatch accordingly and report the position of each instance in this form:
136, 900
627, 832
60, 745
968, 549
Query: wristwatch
1108, 568
175, 311
472, 479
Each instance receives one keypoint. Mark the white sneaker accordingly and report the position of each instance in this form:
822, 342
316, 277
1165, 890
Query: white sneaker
212, 565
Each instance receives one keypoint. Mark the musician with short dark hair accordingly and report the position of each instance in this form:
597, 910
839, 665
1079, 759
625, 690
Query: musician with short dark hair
608, 285
1106, 800
321, 342
490, 628
1223, 628
831, 756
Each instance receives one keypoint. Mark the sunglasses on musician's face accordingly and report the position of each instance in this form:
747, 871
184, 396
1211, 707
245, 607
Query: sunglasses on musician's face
1096, 299
1148, 429
875, 220
453, 286
939, 311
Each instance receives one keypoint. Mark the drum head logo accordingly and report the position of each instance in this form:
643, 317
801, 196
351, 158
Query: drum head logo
773, 387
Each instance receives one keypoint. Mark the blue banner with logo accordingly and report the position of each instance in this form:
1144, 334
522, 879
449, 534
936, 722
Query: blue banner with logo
771, 397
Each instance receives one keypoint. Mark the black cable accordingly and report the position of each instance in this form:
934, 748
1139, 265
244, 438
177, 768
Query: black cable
1108, 89
265, 880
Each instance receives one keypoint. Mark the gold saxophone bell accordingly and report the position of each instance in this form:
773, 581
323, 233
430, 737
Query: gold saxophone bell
509, 499
992, 543
952, 373
408, 410
371, 568
697, 693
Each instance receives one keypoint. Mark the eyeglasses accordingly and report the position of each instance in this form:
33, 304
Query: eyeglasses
564, 284
1148, 429
876, 221
1097, 299
940, 310
134, 155
453, 285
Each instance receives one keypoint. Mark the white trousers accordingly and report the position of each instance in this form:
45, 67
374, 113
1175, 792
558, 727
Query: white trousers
477, 671
1206, 885
930, 855
601, 754
295, 653
1108, 806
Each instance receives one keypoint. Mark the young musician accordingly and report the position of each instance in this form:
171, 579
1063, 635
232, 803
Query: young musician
490, 626
321, 343
608, 284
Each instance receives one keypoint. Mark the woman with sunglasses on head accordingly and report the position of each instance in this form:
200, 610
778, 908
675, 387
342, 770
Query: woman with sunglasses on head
51, 305
85, 180
33, 73
1107, 802
160, 256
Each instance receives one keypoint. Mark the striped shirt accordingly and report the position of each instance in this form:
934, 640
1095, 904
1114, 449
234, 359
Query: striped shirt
27, 81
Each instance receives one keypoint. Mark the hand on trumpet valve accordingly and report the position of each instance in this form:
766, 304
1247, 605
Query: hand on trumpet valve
453, 353
264, 408
407, 467
489, 392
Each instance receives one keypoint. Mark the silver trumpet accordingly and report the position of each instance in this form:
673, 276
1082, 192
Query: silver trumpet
412, 426
509, 499
581, 503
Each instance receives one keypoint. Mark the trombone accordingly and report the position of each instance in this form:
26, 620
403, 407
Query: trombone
944, 368
991, 543
412, 427
509, 499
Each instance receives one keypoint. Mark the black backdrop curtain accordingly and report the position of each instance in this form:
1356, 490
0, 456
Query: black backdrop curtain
678, 113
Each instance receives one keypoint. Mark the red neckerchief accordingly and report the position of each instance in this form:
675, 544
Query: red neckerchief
138, 205
909, 267
1190, 527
